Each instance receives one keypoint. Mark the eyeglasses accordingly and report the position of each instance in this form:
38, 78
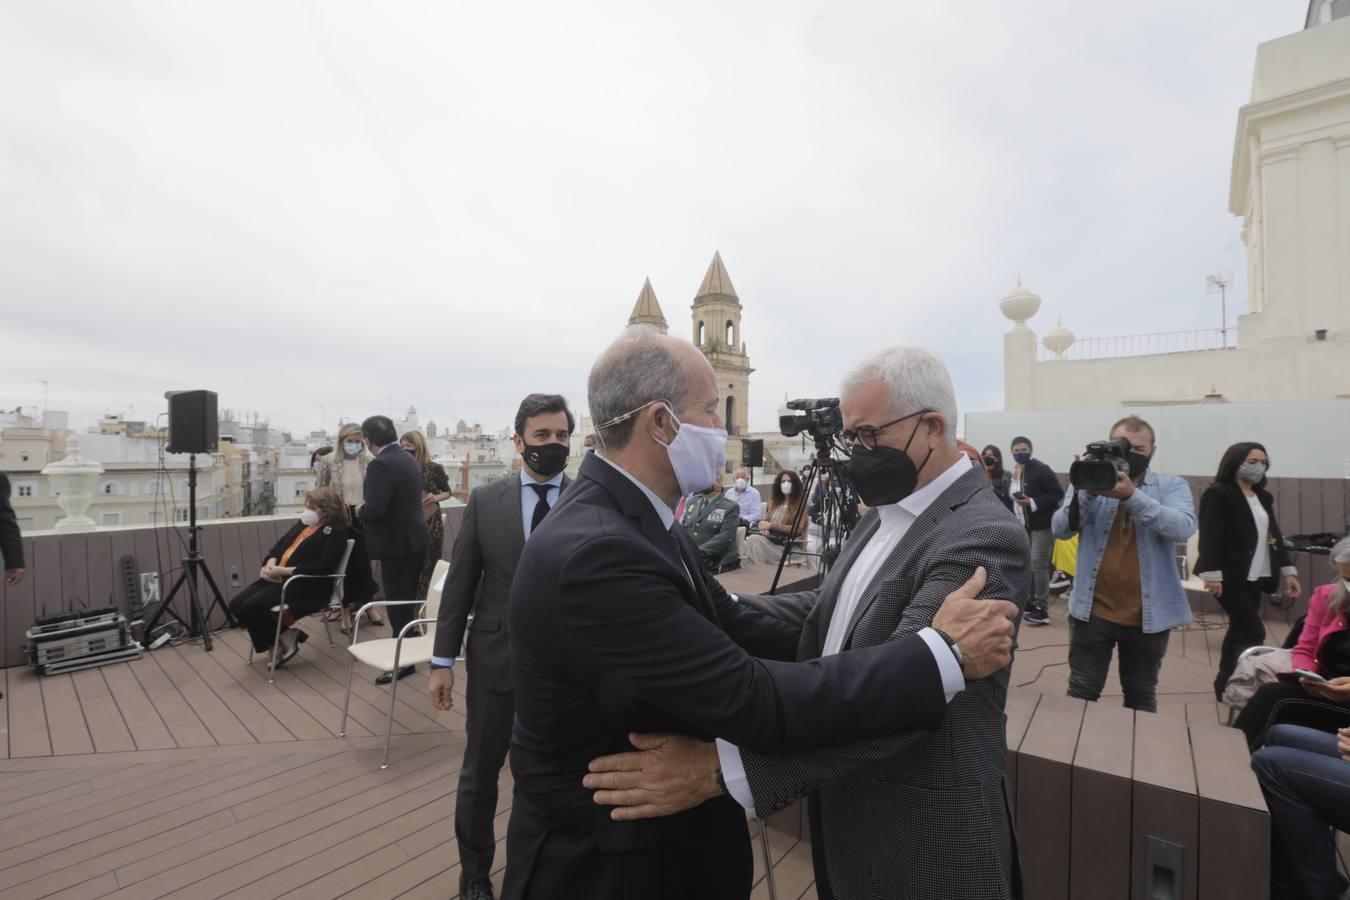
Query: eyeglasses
867, 435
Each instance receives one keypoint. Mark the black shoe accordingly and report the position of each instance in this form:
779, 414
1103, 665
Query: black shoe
476, 890
388, 677
1036, 617
286, 655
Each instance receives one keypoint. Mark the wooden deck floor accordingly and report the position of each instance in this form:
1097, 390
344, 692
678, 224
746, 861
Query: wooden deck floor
184, 774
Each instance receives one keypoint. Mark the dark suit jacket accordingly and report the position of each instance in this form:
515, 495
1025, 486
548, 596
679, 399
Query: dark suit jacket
923, 814
1041, 484
11, 547
1228, 536
392, 514
318, 554
482, 564
615, 629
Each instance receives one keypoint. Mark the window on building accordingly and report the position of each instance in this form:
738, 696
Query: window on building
731, 333
110, 518
699, 333
730, 419
25, 490
152, 487
24, 456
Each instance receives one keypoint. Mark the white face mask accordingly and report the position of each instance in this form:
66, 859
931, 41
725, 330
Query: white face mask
741, 484
786, 488
696, 454
309, 518
351, 449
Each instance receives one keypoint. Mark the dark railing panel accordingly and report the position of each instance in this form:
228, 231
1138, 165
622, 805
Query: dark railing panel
1232, 816
1099, 851
74, 572
102, 570
1166, 808
1044, 792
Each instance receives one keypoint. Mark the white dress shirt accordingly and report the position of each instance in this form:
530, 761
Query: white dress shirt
529, 497
1261, 558
896, 519
750, 502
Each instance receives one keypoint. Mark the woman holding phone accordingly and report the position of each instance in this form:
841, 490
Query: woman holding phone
1319, 698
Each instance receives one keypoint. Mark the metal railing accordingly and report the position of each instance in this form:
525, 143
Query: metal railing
1144, 344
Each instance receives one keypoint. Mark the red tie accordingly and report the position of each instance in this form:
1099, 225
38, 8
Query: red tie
679, 509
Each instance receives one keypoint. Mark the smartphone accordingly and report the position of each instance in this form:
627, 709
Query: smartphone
1311, 676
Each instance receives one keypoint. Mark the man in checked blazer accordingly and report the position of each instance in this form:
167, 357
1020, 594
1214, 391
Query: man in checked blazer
924, 814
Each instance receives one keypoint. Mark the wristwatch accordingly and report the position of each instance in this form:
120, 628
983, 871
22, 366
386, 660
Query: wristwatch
956, 651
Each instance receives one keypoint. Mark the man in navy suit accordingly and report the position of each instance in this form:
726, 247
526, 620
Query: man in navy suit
396, 531
615, 629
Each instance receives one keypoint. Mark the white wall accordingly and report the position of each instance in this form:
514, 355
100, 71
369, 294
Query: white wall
1306, 439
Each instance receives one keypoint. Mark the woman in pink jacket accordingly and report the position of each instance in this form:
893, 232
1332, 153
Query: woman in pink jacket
1324, 648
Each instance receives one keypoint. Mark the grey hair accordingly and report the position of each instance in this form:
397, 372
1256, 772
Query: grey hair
1340, 555
635, 370
915, 380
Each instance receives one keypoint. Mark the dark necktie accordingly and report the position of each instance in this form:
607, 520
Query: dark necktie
541, 508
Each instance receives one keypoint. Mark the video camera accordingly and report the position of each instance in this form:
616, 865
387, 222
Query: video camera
1100, 466
820, 419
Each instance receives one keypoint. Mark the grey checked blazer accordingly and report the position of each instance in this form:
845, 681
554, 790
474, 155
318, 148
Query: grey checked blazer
921, 814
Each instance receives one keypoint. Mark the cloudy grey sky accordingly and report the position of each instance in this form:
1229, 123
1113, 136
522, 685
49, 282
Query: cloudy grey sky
357, 206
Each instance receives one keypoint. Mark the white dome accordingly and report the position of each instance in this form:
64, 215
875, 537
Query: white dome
1020, 304
1058, 339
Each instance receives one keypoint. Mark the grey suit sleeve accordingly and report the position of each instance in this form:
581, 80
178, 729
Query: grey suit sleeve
777, 779
461, 583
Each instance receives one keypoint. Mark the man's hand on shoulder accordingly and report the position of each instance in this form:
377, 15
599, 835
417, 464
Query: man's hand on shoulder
983, 629
668, 774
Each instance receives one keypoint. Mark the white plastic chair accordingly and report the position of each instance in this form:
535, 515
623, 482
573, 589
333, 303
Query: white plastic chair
392, 654
280, 608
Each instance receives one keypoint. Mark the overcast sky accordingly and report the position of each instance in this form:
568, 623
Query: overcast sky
326, 207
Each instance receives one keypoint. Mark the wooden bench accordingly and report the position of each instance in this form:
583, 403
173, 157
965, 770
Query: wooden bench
1116, 805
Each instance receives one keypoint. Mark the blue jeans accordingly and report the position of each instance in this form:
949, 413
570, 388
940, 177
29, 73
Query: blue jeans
1307, 787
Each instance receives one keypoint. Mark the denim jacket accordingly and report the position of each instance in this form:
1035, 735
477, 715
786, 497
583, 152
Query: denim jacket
1164, 515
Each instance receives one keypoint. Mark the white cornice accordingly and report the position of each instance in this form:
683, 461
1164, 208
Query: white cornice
1254, 114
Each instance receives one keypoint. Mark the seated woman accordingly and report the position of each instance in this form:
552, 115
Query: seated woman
765, 544
1305, 777
313, 546
1324, 648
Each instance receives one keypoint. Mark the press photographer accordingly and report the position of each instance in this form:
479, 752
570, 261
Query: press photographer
1128, 593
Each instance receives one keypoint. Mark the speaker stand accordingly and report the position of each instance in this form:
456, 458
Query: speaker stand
197, 624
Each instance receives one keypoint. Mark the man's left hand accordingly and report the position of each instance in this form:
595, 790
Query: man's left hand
669, 774
1124, 488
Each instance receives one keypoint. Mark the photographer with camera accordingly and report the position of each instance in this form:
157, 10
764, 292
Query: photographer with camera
1128, 592
1035, 494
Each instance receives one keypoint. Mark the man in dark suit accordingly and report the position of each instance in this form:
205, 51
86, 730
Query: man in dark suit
396, 531
918, 814
11, 547
498, 520
615, 630
1036, 495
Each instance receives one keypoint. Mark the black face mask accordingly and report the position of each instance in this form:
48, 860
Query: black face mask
885, 475
547, 459
990, 462
1138, 465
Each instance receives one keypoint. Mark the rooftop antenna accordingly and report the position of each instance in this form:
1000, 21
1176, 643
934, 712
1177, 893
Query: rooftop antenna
1219, 284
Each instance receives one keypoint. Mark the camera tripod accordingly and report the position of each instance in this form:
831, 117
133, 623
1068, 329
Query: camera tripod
836, 513
193, 564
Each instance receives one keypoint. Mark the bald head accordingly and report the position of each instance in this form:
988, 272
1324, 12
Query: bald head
639, 368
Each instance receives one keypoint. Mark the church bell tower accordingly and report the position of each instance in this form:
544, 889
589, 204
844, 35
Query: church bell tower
717, 332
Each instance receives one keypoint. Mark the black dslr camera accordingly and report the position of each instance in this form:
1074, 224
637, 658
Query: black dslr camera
1100, 466
820, 419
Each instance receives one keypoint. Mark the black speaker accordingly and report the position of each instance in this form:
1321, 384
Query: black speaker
193, 425
752, 453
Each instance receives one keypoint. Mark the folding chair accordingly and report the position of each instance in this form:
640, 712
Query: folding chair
392, 654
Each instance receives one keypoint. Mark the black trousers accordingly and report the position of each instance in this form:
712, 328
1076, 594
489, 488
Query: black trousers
1141, 656
359, 585
488, 729
1282, 703
252, 608
1242, 603
399, 575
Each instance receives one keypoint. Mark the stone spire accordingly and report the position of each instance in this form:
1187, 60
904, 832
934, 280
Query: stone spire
717, 283
647, 311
